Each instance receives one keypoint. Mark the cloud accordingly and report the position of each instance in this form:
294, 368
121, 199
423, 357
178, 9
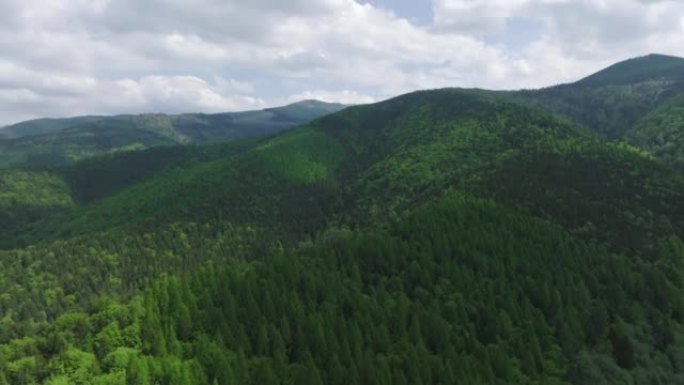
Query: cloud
344, 97
178, 93
113, 56
56, 96
474, 16
580, 27
576, 37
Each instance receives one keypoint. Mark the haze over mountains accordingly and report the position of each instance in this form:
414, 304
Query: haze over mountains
439, 237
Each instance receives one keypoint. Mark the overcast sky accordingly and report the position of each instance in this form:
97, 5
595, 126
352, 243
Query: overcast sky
74, 57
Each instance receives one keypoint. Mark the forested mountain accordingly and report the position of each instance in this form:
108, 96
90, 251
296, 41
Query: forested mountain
54, 142
661, 132
44, 126
440, 237
612, 101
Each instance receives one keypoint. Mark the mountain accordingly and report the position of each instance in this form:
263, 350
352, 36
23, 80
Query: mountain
54, 142
339, 150
661, 132
642, 69
427, 143
445, 236
44, 126
612, 101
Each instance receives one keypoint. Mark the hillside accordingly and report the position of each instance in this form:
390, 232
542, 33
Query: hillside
26, 196
264, 185
426, 143
44, 126
445, 236
51, 143
101, 176
637, 70
613, 100
661, 132
461, 289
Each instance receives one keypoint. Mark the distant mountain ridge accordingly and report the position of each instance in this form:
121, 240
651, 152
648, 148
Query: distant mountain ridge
52, 125
612, 101
44, 126
644, 68
53, 142
639, 101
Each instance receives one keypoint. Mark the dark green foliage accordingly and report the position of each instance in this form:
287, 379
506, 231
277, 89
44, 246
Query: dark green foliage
26, 196
102, 176
99, 177
623, 349
434, 298
609, 193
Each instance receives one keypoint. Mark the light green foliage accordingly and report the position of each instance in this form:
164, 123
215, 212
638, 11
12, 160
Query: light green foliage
59, 380
662, 133
32, 190
77, 365
304, 156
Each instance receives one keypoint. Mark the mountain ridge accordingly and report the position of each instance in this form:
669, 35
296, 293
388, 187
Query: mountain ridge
57, 124
612, 101
65, 143
636, 69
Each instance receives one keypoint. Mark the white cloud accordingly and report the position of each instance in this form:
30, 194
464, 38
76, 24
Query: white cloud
578, 36
474, 16
57, 97
176, 93
111, 56
344, 97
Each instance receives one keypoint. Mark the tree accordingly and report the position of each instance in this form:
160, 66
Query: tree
137, 372
623, 349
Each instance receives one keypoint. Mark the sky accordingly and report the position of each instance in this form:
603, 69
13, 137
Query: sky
76, 57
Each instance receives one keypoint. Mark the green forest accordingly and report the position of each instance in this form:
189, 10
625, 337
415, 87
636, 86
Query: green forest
440, 237
50, 143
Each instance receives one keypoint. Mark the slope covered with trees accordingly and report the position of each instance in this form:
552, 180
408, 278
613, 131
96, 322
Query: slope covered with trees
341, 166
662, 133
612, 101
449, 236
26, 196
461, 290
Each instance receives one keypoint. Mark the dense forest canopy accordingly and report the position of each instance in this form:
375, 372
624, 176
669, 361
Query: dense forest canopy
440, 237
